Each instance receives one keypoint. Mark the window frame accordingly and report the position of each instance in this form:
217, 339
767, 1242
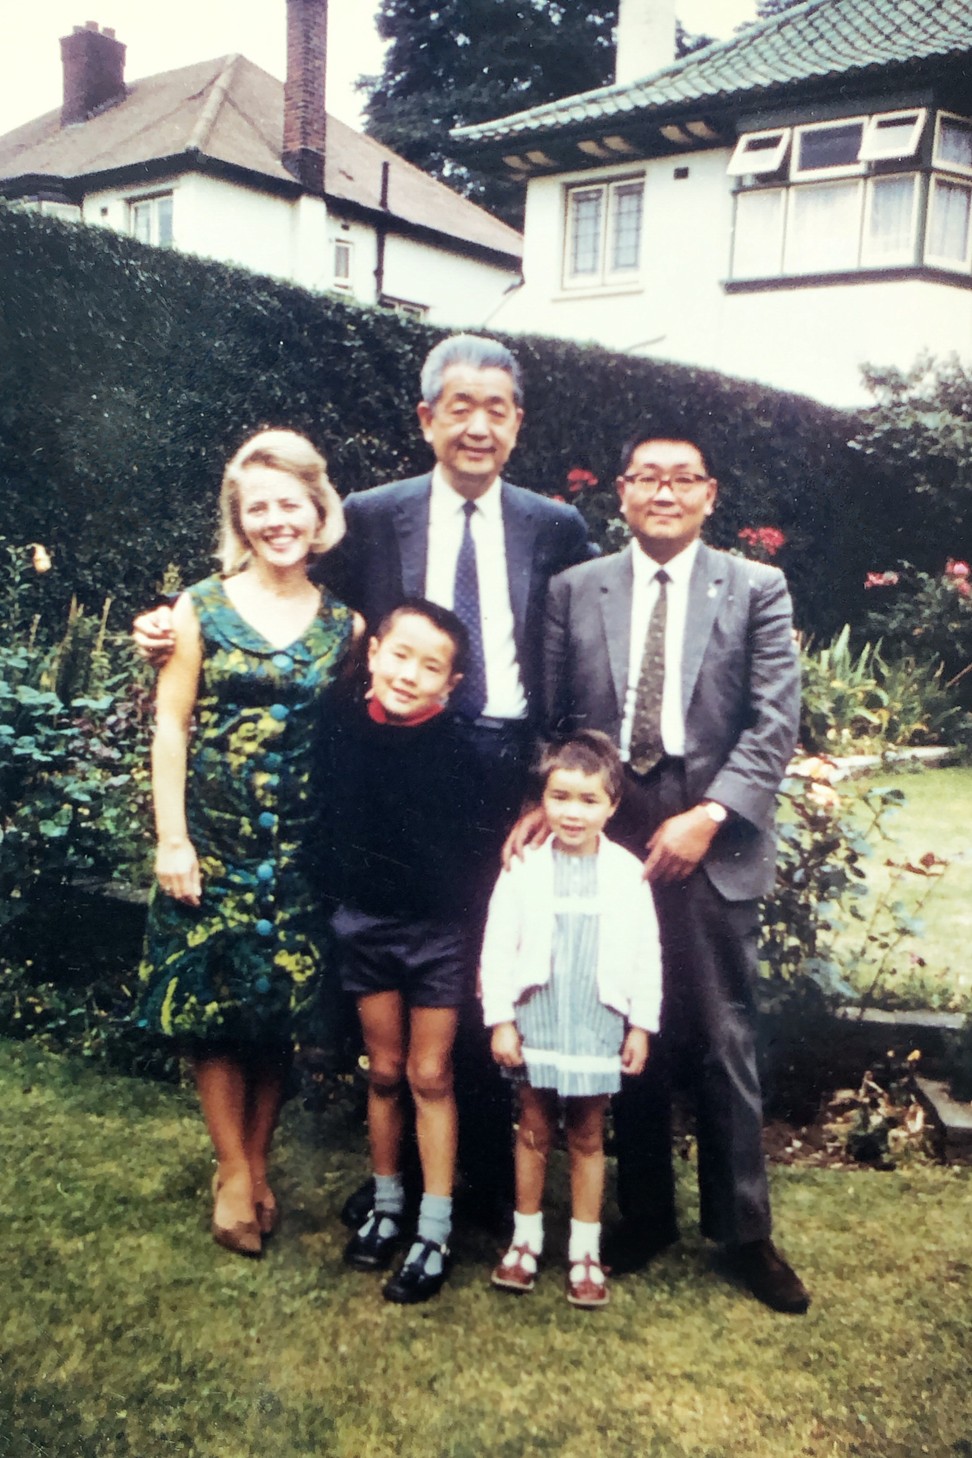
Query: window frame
961, 169
799, 173
871, 153
344, 281
772, 161
605, 274
152, 202
939, 260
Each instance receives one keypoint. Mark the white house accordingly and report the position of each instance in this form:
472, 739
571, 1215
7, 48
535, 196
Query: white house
782, 206
221, 160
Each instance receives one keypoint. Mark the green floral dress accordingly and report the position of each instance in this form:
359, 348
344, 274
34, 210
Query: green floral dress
244, 965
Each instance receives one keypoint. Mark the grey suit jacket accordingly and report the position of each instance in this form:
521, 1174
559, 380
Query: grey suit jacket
383, 557
740, 690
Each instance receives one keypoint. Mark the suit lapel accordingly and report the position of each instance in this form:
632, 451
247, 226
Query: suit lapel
412, 531
520, 532
706, 587
617, 586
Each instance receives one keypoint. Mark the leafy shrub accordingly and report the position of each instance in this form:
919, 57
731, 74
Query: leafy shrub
865, 699
73, 752
927, 617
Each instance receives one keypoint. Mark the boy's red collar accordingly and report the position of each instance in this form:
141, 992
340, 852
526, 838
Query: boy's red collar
377, 713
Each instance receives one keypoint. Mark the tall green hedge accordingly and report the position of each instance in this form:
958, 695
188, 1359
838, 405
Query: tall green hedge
128, 375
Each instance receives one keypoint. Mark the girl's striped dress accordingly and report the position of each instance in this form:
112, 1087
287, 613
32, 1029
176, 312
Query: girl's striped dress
571, 1041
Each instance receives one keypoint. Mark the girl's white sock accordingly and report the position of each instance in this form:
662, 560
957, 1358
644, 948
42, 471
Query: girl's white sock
585, 1240
528, 1231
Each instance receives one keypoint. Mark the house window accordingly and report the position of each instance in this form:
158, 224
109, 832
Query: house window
894, 135
603, 239
151, 219
857, 194
757, 153
890, 217
947, 243
757, 245
343, 251
828, 149
953, 143
823, 228
403, 307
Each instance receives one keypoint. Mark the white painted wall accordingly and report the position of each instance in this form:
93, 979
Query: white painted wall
460, 292
294, 240
809, 340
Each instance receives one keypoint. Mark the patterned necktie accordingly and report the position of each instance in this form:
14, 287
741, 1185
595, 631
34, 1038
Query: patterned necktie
469, 697
647, 747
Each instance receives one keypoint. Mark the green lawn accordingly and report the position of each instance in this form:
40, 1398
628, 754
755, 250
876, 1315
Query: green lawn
936, 818
125, 1332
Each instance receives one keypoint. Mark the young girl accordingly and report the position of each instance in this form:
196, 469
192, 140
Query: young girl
234, 935
571, 986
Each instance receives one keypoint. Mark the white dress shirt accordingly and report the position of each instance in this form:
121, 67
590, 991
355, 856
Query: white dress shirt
643, 598
505, 695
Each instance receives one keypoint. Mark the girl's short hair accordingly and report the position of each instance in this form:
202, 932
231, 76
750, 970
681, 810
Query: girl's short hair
591, 752
283, 450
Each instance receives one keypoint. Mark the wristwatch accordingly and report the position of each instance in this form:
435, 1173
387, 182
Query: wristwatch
717, 813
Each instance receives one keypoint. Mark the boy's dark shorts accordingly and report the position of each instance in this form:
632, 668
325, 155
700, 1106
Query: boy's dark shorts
429, 962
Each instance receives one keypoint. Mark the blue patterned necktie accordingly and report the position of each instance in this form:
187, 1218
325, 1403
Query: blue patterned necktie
647, 747
469, 698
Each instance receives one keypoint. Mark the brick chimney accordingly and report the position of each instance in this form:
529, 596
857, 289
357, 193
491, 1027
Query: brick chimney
94, 71
305, 119
646, 38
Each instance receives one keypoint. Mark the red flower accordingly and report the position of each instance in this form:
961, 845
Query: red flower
880, 579
578, 478
764, 539
956, 569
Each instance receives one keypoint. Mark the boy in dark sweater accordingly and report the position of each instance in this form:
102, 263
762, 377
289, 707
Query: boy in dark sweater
399, 797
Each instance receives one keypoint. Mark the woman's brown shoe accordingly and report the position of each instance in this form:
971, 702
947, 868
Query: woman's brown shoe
242, 1237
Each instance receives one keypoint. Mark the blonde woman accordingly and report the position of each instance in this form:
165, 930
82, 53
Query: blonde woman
234, 940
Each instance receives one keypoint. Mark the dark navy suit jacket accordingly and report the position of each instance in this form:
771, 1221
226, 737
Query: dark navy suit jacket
383, 557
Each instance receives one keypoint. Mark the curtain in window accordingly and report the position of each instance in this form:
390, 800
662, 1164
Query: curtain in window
823, 228
948, 226
757, 245
889, 230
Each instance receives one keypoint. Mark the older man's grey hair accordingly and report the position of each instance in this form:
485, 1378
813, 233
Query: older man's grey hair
473, 350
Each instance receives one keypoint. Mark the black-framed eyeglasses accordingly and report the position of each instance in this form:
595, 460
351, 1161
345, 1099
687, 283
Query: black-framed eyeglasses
683, 483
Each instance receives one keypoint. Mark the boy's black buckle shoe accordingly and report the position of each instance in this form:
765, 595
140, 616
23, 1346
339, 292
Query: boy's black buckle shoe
358, 1206
368, 1250
413, 1283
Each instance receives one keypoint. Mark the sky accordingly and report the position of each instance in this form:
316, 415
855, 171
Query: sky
163, 36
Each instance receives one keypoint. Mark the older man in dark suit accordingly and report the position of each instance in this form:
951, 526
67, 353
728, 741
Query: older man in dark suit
685, 655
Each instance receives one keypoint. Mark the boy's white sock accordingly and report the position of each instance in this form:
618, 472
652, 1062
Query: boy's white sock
585, 1240
528, 1231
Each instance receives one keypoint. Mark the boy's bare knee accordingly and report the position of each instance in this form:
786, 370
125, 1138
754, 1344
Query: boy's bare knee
430, 1082
386, 1078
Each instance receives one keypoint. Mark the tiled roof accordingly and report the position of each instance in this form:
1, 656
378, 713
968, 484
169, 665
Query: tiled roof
232, 111
813, 41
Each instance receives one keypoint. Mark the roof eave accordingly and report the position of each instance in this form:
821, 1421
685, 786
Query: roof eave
720, 112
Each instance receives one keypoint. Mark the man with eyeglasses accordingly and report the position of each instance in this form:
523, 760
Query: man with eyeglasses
685, 655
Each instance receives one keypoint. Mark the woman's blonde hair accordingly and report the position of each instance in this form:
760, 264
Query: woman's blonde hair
283, 450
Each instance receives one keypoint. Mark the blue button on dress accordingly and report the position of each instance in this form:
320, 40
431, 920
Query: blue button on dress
239, 967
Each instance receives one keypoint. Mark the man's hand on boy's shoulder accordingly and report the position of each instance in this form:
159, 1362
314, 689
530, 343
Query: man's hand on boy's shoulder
153, 636
530, 830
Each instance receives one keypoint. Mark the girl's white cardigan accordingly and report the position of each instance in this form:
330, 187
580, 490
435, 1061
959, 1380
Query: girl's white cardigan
518, 945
